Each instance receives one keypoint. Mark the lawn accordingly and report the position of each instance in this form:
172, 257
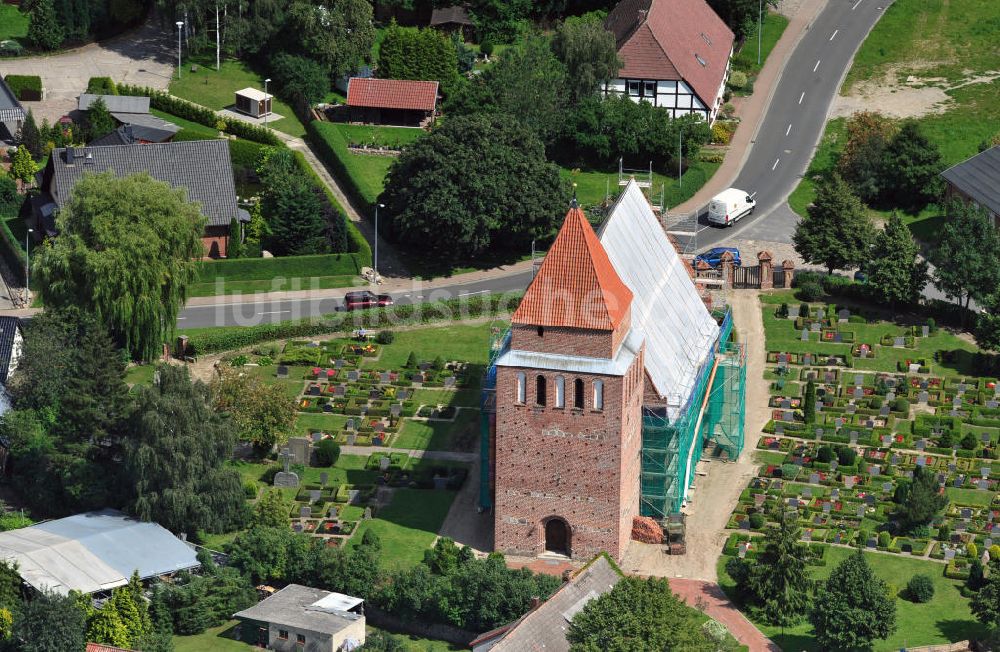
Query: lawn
459, 434
416, 644
746, 58
969, 496
593, 186
467, 342
946, 618
13, 24
408, 525
215, 639
216, 89
140, 374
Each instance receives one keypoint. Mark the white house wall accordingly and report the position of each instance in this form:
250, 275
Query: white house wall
672, 95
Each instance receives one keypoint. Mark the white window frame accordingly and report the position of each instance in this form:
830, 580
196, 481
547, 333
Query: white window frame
638, 87
646, 92
560, 392
522, 387
598, 394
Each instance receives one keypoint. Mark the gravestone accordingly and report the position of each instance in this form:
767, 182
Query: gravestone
854, 436
859, 393
395, 410
340, 390
875, 470
383, 463
924, 384
958, 482
861, 511
314, 495
851, 408
883, 411
314, 390
956, 401
984, 485
742, 551
807, 535
351, 438
837, 538
896, 459
788, 416
985, 471
301, 449
890, 396
337, 364
286, 478
819, 433
987, 437
367, 516
819, 406
815, 326
872, 542
793, 312
966, 512
324, 477
951, 467
914, 368
995, 531
807, 492
779, 429
835, 493
992, 405
923, 397
953, 413
920, 445
827, 507
282, 371
353, 376
818, 314
838, 338
807, 359
814, 478
786, 404
829, 376
887, 487
782, 358
960, 387
870, 500
949, 554
793, 502
834, 464
385, 377
925, 330
328, 407
886, 440
332, 513
305, 512
449, 382
849, 481
838, 423
890, 382
859, 379
843, 315
898, 341
921, 460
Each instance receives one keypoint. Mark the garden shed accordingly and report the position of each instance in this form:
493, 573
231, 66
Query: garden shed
253, 102
392, 101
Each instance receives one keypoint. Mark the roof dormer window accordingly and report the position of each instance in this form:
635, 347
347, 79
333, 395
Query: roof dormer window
700, 60
704, 37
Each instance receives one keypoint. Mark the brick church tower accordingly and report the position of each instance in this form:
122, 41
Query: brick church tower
568, 399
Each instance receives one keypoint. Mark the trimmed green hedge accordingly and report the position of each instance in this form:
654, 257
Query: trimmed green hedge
200, 114
102, 86
244, 153
254, 269
227, 338
330, 146
27, 88
355, 241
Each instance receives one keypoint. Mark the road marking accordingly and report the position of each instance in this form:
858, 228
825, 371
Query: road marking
273, 312
775, 164
179, 318
856, 5
802, 97
834, 35
465, 294
789, 130
816, 66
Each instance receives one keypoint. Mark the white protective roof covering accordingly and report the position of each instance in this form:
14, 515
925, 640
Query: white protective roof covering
93, 552
666, 308
336, 602
253, 94
577, 363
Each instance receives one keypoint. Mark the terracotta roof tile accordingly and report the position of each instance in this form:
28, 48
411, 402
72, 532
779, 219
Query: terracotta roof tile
98, 647
392, 94
576, 286
681, 34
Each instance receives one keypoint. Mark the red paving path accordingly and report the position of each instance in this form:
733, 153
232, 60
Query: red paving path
718, 606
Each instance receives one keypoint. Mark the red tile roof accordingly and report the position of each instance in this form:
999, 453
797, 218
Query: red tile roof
392, 94
98, 647
576, 286
664, 39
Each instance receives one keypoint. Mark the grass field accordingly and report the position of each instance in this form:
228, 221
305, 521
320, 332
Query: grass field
13, 24
746, 58
592, 185
468, 342
215, 639
216, 89
946, 618
459, 434
409, 525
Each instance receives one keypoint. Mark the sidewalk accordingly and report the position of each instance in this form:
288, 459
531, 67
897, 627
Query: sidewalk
716, 605
752, 111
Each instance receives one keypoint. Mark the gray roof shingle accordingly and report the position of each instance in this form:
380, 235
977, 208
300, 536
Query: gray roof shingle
291, 607
979, 178
8, 331
116, 103
202, 167
10, 108
545, 627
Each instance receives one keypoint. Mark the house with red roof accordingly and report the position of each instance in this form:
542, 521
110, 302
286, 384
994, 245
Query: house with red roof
392, 101
676, 55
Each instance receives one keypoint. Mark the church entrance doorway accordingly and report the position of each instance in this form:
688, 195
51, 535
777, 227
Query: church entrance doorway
557, 536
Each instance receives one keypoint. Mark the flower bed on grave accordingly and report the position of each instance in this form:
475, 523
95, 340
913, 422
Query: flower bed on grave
890, 340
904, 365
868, 349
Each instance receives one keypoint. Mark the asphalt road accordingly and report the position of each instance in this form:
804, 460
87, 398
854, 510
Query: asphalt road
794, 121
237, 313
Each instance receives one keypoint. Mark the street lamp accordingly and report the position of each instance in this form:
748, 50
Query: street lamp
377, 206
760, 13
680, 156
180, 24
27, 264
267, 103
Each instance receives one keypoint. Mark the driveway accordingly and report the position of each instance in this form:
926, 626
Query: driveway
144, 57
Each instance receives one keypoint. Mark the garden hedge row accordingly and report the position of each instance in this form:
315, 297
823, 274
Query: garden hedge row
102, 86
195, 113
27, 88
356, 242
329, 144
228, 338
255, 269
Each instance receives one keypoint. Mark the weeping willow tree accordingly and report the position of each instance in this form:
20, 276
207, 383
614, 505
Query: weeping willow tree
125, 253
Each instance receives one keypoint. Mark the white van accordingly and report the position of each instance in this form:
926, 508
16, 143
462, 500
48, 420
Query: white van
729, 206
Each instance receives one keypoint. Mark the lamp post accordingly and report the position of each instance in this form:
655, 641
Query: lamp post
760, 21
267, 101
680, 156
27, 264
180, 24
377, 206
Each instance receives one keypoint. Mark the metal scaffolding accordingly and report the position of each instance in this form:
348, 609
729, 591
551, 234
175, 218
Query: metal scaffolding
499, 341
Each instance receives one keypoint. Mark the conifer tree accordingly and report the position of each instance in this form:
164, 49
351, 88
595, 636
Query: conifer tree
30, 136
836, 231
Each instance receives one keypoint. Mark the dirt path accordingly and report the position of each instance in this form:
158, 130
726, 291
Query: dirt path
709, 598
718, 485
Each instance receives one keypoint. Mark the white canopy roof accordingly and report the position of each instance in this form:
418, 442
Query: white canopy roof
253, 94
666, 308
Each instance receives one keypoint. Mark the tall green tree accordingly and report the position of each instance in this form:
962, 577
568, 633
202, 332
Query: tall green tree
853, 609
30, 136
637, 614
23, 166
339, 34
300, 79
297, 223
175, 458
125, 252
924, 500
809, 403
912, 168
862, 161
423, 54
986, 603
263, 412
271, 510
499, 20
473, 185
778, 579
98, 121
741, 16
588, 52
836, 231
967, 255
50, 622
44, 29
896, 274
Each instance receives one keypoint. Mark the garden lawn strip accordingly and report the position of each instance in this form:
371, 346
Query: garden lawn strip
214, 639
408, 525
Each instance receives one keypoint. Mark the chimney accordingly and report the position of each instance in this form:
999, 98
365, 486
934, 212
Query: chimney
88, 159
69, 155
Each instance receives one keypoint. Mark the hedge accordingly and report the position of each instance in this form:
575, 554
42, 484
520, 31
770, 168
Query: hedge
202, 115
254, 269
244, 153
215, 340
27, 88
329, 144
102, 86
355, 241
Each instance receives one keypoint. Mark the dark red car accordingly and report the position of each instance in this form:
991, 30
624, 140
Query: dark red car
366, 299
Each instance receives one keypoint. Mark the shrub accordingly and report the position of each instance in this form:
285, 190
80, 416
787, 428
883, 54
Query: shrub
327, 452
486, 47
250, 489
995, 551
846, 456
722, 133
757, 520
892, 591
803, 310
944, 532
969, 441
385, 337
884, 538
973, 550
102, 86
931, 325
901, 405
810, 291
26, 88
920, 588
782, 311
824, 454
737, 79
